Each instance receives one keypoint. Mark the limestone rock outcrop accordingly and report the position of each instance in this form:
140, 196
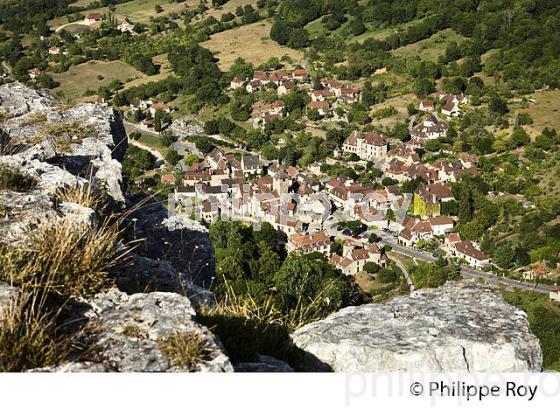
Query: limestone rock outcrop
129, 330
457, 327
87, 140
155, 295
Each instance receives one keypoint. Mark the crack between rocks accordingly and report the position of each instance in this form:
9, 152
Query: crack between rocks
465, 358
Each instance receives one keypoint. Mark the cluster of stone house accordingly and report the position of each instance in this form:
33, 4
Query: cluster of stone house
416, 230
298, 202
428, 129
290, 200
363, 201
354, 258
150, 107
451, 104
323, 101
400, 165
283, 80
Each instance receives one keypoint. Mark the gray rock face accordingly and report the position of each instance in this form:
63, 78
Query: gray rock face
458, 327
87, 140
130, 329
82, 145
133, 325
183, 243
140, 274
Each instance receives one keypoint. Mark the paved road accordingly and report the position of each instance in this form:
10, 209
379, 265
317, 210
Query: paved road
406, 275
466, 271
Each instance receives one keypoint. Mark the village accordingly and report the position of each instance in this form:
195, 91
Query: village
310, 209
310, 206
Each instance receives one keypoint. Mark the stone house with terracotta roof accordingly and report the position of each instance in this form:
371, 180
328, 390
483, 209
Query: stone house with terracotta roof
369, 146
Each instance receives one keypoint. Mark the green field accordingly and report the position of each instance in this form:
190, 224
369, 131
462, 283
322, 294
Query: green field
430, 48
545, 111
316, 28
77, 28
153, 142
382, 33
136, 10
78, 79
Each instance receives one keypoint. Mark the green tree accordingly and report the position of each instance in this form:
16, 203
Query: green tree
172, 157
157, 120
504, 256
497, 105
280, 32
466, 206
519, 137
357, 27
190, 159
371, 267
423, 87
427, 275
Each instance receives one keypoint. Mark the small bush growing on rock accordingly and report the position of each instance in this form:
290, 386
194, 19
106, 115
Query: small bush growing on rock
186, 350
26, 339
14, 180
83, 195
34, 333
64, 258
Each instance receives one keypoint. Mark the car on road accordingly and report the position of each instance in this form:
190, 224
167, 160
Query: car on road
346, 232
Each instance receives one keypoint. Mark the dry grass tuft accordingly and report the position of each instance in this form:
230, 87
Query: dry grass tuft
35, 334
64, 258
14, 180
248, 327
67, 133
83, 195
36, 119
26, 337
186, 350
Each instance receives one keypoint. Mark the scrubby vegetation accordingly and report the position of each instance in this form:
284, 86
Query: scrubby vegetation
427, 275
186, 350
264, 294
62, 261
544, 318
65, 258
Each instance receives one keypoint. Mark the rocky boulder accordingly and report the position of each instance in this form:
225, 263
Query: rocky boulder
462, 326
87, 140
128, 332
